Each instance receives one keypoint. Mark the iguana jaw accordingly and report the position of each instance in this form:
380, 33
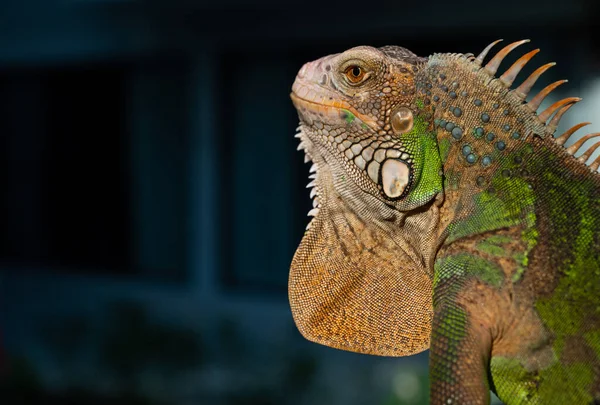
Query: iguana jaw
335, 112
333, 188
340, 117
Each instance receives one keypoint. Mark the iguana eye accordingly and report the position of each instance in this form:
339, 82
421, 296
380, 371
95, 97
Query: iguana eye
355, 74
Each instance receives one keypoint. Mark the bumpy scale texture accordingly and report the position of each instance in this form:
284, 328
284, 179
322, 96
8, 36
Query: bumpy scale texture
447, 216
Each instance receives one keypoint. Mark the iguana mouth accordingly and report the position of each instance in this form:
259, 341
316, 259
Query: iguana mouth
323, 107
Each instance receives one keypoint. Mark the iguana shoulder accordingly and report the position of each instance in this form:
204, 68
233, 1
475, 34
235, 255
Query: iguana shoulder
524, 221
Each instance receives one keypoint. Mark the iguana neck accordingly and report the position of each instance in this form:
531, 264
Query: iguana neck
483, 131
410, 232
354, 268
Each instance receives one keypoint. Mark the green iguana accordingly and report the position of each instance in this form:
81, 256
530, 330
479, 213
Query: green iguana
447, 216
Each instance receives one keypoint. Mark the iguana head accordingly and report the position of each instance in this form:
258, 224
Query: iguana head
362, 118
361, 278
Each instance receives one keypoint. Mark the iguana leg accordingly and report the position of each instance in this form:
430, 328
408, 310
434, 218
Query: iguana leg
460, 350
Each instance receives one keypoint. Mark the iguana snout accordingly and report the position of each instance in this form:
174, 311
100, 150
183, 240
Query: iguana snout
318, 95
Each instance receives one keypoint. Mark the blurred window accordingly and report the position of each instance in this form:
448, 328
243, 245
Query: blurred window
262, 173
92, 163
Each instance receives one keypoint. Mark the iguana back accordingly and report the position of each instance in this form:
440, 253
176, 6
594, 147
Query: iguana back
447, 215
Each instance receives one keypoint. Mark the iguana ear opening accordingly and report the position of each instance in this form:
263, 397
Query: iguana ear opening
352, 288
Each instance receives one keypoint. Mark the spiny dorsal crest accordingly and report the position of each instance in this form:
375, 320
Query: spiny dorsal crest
552, 115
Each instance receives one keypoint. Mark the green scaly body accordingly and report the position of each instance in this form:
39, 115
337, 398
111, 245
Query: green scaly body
525, 231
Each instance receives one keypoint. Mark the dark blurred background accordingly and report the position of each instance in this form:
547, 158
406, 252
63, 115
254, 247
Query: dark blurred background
152, 196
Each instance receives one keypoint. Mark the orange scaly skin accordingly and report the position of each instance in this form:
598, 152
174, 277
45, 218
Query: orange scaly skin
448, 217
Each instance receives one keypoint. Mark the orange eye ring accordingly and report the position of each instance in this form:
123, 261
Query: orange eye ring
355, 74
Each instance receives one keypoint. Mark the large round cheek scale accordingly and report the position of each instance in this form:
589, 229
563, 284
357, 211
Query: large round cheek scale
394, 177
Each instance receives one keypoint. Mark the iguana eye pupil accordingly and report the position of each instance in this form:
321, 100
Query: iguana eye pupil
402, 120
355, 74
